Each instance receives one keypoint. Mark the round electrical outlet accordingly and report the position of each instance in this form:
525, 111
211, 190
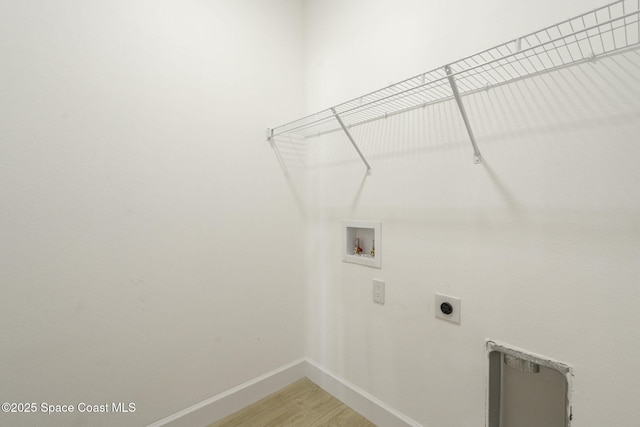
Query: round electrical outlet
446, 308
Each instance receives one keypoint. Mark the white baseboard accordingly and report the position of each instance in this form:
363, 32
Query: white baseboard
359, 400
232, 400
236, 398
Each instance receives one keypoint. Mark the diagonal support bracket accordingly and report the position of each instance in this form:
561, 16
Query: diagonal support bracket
344, 128
456, 94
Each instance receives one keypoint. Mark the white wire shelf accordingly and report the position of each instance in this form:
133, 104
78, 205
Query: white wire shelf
611, 28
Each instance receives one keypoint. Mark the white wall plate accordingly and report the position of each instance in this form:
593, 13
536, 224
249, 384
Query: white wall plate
447, 308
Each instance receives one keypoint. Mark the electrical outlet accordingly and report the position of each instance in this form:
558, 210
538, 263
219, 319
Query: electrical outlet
447, 308
378, 291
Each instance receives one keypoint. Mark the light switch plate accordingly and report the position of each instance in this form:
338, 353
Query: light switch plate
378, 291
454, 316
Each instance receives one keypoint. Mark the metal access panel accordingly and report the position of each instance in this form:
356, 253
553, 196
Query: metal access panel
526, 390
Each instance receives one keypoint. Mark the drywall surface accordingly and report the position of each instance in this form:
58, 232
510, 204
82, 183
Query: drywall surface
541, 241
150, 247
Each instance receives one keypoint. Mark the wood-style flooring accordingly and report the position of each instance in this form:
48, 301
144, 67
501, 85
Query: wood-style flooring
301, 404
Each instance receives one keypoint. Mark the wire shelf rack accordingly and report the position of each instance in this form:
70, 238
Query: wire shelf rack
605, 30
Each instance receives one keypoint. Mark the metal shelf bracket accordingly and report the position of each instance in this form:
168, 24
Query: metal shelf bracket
477, 157
344, 128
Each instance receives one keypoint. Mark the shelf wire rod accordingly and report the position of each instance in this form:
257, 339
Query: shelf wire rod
419, 87
406, 101
464, 85
441, 90
506, 64
520, 58
381, 90
540, 43
519, 61
421, 97
626, 38
437, 95
490, 70
397, 103
383, 104
303, 119
436, 88
588, 38
534, 57
370, 113
433, 84
475, 74
346, 131
430, 98
385, 113
525, 54
566, 45
374, 110
425, 96
525, 63
531, 74
576, 39
545, 64
515, 55
604, 49
489, 75
499, 70
380, 112
613, 34
314, 122
487, 64
418, 91
484, 69
469, 81
415, 99
510, 63
556, 47
627, 30
373, 119
367, 105
380, 103
463, 113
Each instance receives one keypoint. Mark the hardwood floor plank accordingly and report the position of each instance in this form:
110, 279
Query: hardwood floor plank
342, 416
301, 404
273, 403
349, 418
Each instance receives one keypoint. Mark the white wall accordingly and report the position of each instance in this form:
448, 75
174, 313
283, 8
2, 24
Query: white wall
541, 241
152, 251
150, 246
